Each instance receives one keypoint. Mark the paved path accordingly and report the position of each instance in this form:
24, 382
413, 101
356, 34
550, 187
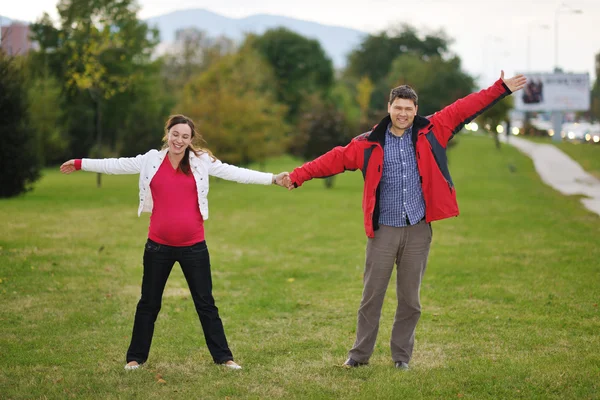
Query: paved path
560, 171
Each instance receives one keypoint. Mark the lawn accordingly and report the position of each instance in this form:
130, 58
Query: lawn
510, 297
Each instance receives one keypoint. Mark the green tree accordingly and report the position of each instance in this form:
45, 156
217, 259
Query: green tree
300, 64
192, 53
45, 115
19, 158
322, 127
234, 106
138, 114
102, 48
343, 96
374, 57
495, 116
364, 89
437, 81
595, 103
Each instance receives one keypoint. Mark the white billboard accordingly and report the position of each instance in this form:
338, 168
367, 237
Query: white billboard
554, 92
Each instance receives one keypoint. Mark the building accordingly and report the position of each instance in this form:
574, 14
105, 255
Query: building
15, 39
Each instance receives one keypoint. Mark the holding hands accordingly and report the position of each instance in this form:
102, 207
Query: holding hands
283, 179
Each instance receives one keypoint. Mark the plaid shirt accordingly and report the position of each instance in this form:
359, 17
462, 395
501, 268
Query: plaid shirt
401, 195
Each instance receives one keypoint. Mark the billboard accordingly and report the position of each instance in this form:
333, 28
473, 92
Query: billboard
554, 92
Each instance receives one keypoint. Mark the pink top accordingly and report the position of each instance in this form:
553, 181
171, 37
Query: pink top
176, 218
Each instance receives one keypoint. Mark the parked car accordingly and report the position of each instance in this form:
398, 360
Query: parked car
575, 131
593, 135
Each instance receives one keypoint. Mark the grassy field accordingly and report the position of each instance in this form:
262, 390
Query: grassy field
586, 154
510, 297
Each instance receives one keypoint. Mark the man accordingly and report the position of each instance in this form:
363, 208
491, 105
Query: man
407, 186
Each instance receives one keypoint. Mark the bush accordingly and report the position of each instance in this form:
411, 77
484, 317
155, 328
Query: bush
19, 159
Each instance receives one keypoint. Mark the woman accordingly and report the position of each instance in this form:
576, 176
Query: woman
173, 188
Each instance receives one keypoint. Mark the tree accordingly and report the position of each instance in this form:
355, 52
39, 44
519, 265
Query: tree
437, 81
343, 96
595, 106
233, 104
192, 53
322, 128
102, 47
364, 89
300, 65
374, 57
44, 117
19, 159
496, 116
139, 113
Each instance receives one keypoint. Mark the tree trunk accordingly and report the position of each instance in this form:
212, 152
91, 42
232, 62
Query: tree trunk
98, 138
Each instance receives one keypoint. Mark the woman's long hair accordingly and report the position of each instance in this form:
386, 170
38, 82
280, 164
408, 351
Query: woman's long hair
184, 164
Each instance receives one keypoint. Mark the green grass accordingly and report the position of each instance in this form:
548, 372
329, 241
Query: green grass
586, 154
510, 297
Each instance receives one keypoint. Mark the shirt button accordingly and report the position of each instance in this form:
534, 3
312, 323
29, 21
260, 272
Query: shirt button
405, 190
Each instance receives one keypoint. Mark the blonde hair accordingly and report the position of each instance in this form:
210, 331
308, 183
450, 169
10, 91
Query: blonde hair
184, 164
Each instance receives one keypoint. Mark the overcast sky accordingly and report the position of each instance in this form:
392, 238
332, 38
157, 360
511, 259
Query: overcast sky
489, 35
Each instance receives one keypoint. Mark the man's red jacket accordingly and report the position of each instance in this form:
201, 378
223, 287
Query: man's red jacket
430, 136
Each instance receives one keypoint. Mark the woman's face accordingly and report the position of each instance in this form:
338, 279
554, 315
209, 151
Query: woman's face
180, 137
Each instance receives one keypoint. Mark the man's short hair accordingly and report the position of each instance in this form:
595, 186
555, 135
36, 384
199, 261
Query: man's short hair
404, 92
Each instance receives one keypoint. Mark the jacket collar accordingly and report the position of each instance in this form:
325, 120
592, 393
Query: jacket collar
163, 153
378, 132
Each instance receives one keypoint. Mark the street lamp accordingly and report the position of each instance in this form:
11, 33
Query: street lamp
566, 9
557, 116
529, 29
486, 40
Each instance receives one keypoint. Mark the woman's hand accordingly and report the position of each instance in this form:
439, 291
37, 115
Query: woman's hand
282, 179
68, 167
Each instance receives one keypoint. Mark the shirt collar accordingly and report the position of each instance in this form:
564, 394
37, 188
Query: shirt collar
406, 132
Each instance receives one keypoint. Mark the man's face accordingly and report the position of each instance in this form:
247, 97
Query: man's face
402, 113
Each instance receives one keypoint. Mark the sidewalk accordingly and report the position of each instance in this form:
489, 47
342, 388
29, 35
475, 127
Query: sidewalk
560, 171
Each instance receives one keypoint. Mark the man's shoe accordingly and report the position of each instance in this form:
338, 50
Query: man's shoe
350, 363
401, 365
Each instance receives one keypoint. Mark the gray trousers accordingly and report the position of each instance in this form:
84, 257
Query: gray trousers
408, 248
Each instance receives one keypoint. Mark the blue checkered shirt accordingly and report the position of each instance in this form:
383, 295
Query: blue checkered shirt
401, 196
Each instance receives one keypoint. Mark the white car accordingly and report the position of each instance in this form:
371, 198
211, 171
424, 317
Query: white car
593, 135
575, 131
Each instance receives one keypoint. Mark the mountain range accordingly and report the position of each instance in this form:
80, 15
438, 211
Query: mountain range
336, 41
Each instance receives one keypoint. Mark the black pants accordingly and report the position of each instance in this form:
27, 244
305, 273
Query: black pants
195, 264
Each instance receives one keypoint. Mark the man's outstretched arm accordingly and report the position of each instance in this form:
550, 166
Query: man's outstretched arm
335, 161
453, 117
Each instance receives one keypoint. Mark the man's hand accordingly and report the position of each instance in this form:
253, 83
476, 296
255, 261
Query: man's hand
288, 183
515, 83
282, 179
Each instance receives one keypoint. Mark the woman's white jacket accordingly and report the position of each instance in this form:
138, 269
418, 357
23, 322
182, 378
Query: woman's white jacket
202, 166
